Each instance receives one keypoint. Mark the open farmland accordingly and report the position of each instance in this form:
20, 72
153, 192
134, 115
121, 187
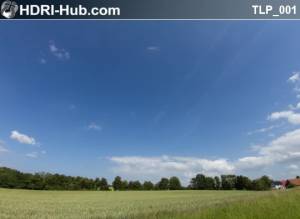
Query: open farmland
151, 204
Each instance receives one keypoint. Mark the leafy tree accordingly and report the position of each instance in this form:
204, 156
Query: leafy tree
134, 185
263, 183
199, 182
103, 184
243, 183
209, 183
217, 183
202, 182
228, 182
174, 183
267, 182
163, 184
117, 183
124, 185
148, 185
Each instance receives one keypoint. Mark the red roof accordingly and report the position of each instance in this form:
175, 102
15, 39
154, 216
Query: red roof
295, 182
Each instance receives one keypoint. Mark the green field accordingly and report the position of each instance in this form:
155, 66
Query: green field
152, 204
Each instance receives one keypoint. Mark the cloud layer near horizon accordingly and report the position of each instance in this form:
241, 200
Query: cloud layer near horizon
284, 149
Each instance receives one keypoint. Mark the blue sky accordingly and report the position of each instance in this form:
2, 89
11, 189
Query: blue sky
145, 99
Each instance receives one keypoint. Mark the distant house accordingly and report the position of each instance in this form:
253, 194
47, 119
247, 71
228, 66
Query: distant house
278, 184
293, 182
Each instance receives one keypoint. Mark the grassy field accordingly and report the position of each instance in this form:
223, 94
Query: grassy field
152, 204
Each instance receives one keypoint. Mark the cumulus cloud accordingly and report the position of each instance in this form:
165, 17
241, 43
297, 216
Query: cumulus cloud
22, 138
94, 126
285, 148
289, 115
295, 77
184, 167
60, 53
296, 107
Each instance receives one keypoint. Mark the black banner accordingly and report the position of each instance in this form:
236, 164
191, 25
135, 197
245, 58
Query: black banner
150, 9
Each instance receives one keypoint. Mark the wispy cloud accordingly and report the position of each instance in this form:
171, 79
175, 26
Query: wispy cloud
60, 53
293, 167
262, 130
94, 126
153, 48
3, 147
36, 154
72, 107
159, 116
32, 154
42, 61
22, 138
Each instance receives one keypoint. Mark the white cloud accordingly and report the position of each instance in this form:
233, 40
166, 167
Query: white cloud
290, 116
43, 61
94, 126
32, 154
22, 138
285, 148
60, 53
184, 167
295, 77
153, 48
3, 147
292, 107
262, 130
293, 167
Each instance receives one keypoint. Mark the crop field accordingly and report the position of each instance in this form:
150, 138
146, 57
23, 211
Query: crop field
149, 204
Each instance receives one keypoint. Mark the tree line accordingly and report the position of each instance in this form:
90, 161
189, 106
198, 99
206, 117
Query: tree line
10, 178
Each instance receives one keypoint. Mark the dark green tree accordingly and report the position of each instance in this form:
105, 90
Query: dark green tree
243, 183
134, 185
148, 185
174, 183
209, 183
117, 183
163, 184
124, 185
228, 182
199, 182
217, 183
263, 183
103, 184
